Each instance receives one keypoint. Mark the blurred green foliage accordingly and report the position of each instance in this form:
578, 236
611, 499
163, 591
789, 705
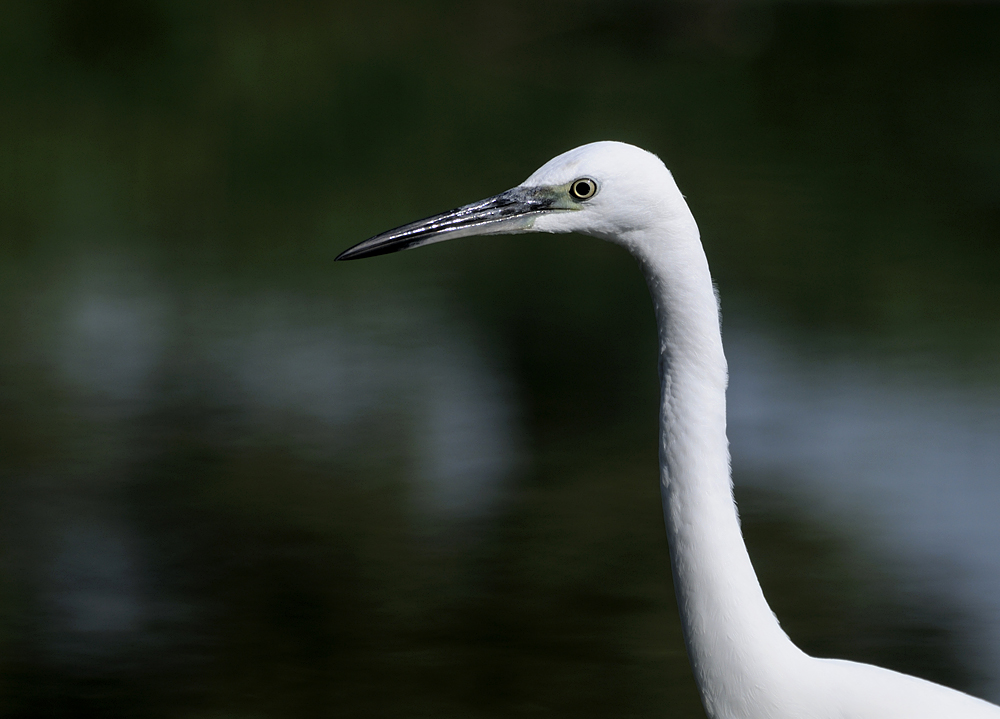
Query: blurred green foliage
843, 161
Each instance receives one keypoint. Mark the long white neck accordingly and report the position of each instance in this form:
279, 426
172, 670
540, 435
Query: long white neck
740, 656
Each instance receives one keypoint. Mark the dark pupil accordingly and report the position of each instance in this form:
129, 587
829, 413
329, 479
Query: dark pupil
582, 188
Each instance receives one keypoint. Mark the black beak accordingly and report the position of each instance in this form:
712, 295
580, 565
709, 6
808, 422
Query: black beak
507, 213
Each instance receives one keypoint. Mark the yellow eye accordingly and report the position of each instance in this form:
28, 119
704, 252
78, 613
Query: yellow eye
583, 189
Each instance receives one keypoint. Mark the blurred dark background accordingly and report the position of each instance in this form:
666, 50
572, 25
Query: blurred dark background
237, 480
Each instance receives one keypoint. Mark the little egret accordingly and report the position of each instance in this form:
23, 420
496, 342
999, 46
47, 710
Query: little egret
745, 665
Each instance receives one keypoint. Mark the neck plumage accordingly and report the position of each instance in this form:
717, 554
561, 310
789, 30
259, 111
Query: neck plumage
739, 654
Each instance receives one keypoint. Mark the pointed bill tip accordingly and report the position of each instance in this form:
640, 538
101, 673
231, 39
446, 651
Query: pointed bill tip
402, 238
352, 253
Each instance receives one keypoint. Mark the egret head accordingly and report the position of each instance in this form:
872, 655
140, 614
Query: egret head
609, 190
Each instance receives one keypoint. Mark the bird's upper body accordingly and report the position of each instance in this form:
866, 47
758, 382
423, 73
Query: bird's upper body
745, 665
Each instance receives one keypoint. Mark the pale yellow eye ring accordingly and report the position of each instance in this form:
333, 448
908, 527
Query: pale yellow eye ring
583, 189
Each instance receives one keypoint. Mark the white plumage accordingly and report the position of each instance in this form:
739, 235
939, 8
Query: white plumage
745, 665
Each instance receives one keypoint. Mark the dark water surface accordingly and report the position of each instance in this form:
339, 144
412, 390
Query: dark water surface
237, 480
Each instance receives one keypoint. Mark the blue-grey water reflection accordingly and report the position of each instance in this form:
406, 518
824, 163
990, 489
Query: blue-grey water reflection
908, 456
314, 370
393, 398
